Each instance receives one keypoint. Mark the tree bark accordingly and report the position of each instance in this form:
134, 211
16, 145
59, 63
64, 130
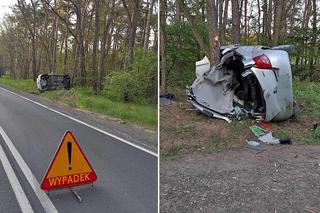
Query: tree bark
212, 16
106, 39
163, 8
277, 22
95, 45
235, 22
224, 22
132, 33
147, 34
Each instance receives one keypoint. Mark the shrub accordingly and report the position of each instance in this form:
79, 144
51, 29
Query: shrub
139, 83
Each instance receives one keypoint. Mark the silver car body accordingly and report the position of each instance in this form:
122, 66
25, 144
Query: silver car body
214, 91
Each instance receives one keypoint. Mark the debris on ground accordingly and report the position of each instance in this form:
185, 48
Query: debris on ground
267, 126
167, 98
285, 141
266, 136
253, 143
258, 131
269, 139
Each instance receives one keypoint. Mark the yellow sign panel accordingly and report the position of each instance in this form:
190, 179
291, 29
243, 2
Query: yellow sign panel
69, 166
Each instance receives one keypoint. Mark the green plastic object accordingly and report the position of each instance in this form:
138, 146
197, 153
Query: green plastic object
258, 131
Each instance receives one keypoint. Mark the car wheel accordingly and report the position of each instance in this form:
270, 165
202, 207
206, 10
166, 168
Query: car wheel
43, 82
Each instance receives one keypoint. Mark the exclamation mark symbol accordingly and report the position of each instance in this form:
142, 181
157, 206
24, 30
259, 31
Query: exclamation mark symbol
69, 146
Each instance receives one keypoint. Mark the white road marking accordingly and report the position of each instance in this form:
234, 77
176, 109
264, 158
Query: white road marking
85, 124
15, 184
42, 196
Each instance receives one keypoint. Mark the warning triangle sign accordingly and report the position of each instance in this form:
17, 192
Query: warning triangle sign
69, 166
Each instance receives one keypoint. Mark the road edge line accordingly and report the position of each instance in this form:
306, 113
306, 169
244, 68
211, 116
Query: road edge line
22, 199
42, 196
85, 124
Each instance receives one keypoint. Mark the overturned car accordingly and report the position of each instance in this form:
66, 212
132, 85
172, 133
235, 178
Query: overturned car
53, 81
253, 81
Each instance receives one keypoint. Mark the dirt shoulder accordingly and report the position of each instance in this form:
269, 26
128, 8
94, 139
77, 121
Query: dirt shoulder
186, 131
281, 179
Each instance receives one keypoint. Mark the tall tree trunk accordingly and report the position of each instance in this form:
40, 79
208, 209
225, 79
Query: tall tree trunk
269, 21
265, 18
106, 39
259, 23
54, 44
163, 8
147, 34
34, 51
277, 21
95, 45
314, 39
82, 50
220, 12
212, 16
246, 20
224, 22
178, 11
133, 31
235, 22
65, 59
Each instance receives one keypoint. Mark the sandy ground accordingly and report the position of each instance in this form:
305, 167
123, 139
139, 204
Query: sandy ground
283, 178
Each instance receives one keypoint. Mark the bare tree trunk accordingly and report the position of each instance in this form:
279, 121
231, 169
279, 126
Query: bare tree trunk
212, 16
147, 34
246, 20
277, 21
132, 35
314, 39
224, 23
82, 49
163, 8
269, 21
265, 17
65, 54
220, 12
259, 23
95, 46
178, 11
235, 22
54, 45
106, 39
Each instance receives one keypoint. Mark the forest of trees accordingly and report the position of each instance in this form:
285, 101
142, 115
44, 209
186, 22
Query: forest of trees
102, 44
191, 29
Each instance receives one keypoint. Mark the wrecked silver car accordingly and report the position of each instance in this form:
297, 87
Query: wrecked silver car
53, 81
253, 81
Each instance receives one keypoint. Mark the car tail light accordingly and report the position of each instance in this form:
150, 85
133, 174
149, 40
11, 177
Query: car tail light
262, 62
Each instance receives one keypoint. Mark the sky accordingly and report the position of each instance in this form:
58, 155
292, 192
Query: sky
4, 7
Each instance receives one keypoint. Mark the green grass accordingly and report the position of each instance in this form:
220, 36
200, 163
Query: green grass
308, 94
27, 85
106, 103
172, 152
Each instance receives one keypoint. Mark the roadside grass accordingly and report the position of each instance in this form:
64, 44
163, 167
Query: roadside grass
188, 132
27, 85
106, 103
308, 95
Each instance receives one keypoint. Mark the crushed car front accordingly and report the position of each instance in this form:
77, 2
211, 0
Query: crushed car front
251, 81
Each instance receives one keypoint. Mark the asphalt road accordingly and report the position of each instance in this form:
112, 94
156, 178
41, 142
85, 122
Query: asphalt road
127, 176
